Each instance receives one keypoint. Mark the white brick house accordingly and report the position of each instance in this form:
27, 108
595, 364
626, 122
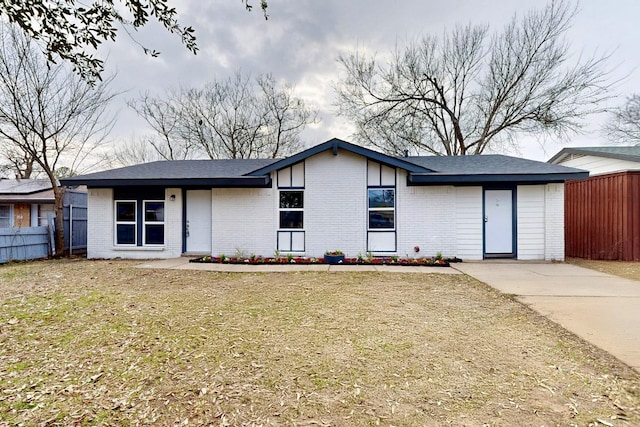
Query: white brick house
332, 196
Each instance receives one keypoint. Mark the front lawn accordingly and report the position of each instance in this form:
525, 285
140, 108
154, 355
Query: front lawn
104, 343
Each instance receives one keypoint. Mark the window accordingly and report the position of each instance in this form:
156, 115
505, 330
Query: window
5, 216
43, 213
154, 223
382, 208
290, 235
291, 209
126, 223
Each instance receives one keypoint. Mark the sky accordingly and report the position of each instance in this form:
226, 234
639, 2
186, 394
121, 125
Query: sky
300, 42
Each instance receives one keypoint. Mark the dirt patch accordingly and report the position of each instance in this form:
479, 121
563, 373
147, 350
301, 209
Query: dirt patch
105, 343
627, 269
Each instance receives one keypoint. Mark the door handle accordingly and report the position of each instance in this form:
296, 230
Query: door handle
486, 219
187, 229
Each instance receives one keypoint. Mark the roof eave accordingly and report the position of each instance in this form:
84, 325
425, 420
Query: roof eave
442, 179
263, 181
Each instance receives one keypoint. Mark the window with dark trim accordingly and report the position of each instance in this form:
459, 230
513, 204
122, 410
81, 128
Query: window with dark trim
291, 209
382, 208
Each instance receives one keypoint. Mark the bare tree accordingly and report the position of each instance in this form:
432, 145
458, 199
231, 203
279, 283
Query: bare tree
19, 162
166, 118
470, 90
233, 118
624, 125
48, 113
286, 117
135, 151
73, 30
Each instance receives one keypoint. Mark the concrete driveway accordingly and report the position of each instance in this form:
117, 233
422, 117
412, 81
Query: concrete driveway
600, 308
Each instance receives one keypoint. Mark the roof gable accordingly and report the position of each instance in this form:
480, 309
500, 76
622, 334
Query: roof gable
335, 145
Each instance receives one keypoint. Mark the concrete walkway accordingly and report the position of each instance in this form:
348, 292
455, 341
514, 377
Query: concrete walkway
598, 307
184, 264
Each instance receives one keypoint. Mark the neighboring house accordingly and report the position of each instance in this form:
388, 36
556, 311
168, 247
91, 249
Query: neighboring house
599, 160
30, 202
603, 212
335, 195
25, 202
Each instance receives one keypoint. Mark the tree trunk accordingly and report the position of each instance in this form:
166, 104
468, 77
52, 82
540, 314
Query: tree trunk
59, 236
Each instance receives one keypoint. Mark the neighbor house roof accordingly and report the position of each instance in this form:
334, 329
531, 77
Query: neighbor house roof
621, 153
423, 170
23, 186
26, 190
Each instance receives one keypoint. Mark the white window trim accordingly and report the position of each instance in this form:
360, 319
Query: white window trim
393, 209
145, 222
10, 214
116, 223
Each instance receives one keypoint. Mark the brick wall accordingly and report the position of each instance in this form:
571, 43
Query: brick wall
336, 203
100, 231
426, 218
243, 220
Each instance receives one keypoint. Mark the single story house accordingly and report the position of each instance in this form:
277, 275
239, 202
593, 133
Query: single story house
335, 195
29, 202
599, 160
602, 218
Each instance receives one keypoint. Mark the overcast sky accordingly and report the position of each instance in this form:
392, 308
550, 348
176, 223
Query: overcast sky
301, 41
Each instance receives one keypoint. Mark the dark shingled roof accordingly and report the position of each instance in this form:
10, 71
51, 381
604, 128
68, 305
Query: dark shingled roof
177, 172
484, 164
622, 153
489, 168
424, 170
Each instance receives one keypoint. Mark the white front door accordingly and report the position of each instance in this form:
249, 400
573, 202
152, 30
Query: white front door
198, 225
498, 222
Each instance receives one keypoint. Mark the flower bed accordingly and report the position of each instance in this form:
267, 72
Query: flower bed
257, 260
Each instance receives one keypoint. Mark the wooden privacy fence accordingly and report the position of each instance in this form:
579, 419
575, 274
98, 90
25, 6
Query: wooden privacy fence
75, 229
18, 244
602, 217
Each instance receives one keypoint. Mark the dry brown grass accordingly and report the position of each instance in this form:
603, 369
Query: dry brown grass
104, 343
627, 269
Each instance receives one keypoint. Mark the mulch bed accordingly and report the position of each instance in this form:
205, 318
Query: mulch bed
410, 262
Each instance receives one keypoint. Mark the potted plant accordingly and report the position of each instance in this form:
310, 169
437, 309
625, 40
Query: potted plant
334, 257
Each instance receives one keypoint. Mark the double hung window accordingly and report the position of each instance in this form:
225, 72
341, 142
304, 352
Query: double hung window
291, 209
126, 222
154, 223
139, 228
5, 216
382, 202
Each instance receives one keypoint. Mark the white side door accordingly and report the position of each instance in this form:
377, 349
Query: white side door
198, 225
498, 222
